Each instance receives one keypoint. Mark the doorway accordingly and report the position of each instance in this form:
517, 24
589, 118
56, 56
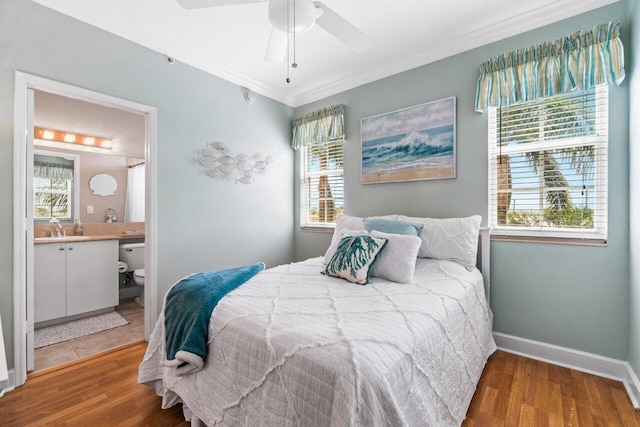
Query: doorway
25, 84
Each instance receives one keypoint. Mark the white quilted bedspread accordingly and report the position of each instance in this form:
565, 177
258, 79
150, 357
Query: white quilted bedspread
292, 347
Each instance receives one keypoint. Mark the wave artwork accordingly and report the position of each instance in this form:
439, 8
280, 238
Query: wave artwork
415, 143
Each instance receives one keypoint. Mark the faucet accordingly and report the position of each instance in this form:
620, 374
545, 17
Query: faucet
57, 231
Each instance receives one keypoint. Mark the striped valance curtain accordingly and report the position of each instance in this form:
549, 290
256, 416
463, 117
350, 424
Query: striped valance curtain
318, 127
579, 61
52, 170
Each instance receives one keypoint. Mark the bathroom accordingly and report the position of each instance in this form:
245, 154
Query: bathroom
88, 195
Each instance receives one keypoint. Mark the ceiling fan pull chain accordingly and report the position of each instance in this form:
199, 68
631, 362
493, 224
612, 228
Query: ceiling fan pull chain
294, 65
288, 79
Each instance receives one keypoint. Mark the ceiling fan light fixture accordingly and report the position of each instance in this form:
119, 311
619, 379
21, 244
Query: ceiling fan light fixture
305, 15
291, 17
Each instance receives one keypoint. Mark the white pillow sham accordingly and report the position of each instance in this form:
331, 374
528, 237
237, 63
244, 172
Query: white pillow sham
454, 239
351, 223
397, 261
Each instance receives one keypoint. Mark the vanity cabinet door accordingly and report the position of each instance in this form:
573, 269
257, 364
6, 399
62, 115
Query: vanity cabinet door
49, 282
92, 276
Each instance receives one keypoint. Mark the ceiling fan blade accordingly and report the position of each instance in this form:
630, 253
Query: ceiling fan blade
342, 29
196, 4
277, 47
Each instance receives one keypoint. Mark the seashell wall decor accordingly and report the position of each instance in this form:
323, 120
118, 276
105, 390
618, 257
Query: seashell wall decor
221, 162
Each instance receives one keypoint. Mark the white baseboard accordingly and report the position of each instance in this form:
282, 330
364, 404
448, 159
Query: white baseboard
590, 363
10, 385
633, 387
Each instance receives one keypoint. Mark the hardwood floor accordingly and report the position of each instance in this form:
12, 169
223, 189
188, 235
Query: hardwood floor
513, 391
516, 391
98, 391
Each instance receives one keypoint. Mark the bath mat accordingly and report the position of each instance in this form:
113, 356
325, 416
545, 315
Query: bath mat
77, 328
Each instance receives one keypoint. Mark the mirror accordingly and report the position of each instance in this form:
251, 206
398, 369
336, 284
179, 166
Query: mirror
100, 182
125, 129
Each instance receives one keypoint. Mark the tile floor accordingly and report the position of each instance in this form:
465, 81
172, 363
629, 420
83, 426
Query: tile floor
68, 351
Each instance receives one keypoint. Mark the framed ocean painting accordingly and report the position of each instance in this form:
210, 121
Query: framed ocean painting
411, 144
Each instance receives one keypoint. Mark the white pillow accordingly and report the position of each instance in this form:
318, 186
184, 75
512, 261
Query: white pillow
397, 261
346, 222
335, 241
454, 239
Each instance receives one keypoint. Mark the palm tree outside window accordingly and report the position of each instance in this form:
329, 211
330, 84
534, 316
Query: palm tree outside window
53, 188
548, 134
548, 166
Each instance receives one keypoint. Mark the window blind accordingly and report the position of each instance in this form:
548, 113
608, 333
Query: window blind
548, 166
52, 198
322, 184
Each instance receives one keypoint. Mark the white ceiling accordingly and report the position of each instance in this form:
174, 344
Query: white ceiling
230, 41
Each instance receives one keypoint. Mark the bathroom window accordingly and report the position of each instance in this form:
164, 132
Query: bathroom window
54, 186
52, 198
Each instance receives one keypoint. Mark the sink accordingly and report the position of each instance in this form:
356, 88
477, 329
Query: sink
62, 239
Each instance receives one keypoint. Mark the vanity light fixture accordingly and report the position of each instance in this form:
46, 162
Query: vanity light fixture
71, 138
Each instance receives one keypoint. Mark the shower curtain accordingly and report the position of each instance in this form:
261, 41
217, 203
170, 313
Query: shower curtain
134, 207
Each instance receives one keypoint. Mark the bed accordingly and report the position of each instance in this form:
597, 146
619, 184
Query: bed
293, 347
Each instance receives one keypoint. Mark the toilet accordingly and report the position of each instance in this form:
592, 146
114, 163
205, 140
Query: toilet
132, 254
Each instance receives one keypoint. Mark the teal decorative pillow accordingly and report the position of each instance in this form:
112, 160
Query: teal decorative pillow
392, 227
335, 241
353, 258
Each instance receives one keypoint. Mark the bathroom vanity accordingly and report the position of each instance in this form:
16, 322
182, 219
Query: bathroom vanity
73, 276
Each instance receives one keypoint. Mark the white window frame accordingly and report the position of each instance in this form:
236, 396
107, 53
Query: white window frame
75, 209
599, 232
305, 174
68, 193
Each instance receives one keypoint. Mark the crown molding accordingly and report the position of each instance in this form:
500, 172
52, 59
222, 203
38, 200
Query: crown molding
551, 13
81, 11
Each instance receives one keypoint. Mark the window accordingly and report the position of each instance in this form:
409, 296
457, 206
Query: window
548, 166
322, 184
52, 198
55, 186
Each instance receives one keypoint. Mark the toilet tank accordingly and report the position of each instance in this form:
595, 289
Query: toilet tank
133, 255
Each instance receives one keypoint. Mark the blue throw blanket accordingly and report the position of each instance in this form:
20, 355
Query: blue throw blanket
188, 308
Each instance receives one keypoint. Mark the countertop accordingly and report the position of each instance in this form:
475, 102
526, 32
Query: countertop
70, 239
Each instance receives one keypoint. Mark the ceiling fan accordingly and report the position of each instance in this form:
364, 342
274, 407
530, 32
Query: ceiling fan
307, 14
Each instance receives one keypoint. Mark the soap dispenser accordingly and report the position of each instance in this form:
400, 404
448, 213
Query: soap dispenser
78, 230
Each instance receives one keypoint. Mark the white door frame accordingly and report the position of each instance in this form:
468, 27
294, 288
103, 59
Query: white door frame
23, 230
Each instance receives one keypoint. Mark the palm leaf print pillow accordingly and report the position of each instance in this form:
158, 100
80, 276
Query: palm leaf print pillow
353, 258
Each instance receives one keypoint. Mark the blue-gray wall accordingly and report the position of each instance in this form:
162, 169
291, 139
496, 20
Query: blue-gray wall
634, 179
202, 223
571, 296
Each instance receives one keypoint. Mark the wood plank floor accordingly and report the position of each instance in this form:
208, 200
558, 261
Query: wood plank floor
99, 391
513, 391
516, 391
